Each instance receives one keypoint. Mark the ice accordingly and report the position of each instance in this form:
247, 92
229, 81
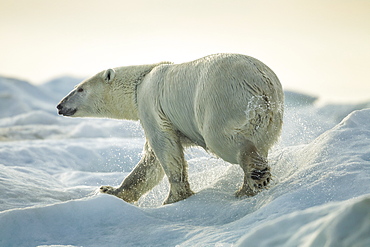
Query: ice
51, 168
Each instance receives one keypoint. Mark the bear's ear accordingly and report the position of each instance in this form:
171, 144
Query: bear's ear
108, 75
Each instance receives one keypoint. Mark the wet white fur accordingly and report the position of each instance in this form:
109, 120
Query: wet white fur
230, 104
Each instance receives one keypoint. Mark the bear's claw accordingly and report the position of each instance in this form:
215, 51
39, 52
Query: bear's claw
108, 190
255, 182
259, 174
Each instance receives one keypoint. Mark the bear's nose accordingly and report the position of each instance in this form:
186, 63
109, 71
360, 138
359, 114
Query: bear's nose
59, 107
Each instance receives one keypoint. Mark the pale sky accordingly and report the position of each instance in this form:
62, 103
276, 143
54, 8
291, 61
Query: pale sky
320, 47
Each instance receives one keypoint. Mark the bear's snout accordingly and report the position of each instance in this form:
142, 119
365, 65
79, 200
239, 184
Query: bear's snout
65, 111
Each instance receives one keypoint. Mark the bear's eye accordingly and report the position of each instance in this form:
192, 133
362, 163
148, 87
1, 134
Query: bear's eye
80, 90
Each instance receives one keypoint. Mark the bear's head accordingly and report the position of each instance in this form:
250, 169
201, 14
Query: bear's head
91, 98
108, 94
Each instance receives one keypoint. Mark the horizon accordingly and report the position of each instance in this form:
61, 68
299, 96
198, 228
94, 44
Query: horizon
316, 48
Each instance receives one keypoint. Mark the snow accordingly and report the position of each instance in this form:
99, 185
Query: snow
51, 168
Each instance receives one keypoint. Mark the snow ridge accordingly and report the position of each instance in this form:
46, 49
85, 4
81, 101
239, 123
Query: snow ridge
51, 168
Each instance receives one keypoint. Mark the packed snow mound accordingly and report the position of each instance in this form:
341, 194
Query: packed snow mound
341, 110
331, 168
18, 97
305, 123
43, 225
294, 99
334, 224
51, 168
29, 118
98, 128
61, 86
43, 125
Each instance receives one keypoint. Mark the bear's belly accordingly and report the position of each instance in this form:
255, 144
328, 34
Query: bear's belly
187, 127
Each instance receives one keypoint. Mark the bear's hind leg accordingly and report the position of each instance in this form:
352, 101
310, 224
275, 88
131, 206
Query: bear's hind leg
256, 171
147, 174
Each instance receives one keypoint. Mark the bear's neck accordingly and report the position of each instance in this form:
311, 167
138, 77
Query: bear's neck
124, 101
124, 91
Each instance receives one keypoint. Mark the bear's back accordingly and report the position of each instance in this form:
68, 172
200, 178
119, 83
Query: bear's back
216, 89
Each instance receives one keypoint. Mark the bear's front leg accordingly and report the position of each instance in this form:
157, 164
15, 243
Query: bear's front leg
168, 149
147, 174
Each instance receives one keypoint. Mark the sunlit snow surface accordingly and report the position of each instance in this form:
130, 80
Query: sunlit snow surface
51, 168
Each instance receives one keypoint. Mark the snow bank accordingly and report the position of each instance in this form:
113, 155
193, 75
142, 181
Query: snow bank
60, 87
18, 97
294, 99
51, 168
333, 224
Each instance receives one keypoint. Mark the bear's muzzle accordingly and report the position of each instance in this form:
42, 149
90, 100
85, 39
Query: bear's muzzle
65, 111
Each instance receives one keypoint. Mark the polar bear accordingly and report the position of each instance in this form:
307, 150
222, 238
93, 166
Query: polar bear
229, 104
